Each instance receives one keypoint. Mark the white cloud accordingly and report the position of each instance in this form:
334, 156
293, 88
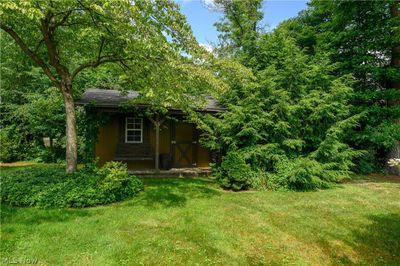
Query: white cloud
207, 46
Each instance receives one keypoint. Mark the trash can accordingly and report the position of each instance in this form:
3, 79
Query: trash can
165, 161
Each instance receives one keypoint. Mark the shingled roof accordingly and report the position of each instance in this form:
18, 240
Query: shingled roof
114, 99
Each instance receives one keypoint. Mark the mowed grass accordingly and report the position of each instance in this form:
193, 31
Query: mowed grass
183, 221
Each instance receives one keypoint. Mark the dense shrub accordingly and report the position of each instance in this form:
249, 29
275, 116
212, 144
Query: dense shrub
10, 144
259, 169
234, 173
52, 187
288, 126
301, 174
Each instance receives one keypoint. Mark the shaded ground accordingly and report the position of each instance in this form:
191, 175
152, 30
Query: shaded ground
191, 221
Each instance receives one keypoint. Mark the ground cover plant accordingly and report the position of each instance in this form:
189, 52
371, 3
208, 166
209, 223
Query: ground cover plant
52, 187
189, 221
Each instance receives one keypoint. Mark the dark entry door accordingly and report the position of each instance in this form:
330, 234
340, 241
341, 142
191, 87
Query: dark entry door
184, 145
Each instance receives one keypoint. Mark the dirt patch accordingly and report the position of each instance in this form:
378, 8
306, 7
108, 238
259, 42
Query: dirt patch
389, 177
17, 164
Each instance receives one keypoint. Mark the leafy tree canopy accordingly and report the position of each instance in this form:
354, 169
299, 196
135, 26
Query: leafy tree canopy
150, 41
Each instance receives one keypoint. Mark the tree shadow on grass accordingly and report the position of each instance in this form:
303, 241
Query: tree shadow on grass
374, 178
35, 216
16, 221
175, 192
381, 237
378, 243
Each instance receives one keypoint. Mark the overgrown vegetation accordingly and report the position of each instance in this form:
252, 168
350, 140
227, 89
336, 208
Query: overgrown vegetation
288, 127
307, 104
362, 40
295, 123
155, 50
47, 187
189, 221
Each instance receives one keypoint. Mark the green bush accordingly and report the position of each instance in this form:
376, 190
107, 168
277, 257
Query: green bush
301, 174
264, 167
234, 173
50, 187
11, 147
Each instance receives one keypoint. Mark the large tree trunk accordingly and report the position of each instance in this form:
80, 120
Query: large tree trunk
395, 63
71, 145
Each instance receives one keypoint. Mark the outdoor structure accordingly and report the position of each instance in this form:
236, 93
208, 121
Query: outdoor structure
146, 144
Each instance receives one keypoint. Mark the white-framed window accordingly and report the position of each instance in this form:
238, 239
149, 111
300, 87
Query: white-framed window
133, 130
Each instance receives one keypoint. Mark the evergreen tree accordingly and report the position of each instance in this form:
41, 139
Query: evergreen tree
363, 39
289, 124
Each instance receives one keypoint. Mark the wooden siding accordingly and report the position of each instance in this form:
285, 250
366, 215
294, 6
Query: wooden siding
107, 141
165, 136
111, 143
203, 157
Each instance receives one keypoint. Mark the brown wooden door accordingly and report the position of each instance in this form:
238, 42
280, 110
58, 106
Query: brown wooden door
184, 145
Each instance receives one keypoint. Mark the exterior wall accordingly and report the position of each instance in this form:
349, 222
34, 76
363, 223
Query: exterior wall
111, 143
165, 136
107, 141
203, 157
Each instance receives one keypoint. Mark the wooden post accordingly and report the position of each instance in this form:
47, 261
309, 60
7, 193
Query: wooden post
157, 123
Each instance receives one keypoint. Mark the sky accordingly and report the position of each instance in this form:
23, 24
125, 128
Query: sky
201, 19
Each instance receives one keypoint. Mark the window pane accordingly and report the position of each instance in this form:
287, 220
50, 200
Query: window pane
134, 127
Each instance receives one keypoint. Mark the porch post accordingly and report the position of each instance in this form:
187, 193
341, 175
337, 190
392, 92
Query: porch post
157, 123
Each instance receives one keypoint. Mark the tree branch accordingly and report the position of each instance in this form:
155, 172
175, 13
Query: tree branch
95, 22
101, 48
96, 63
64, 19
48, 31
38, 45
124, 66
30, 53
236, 19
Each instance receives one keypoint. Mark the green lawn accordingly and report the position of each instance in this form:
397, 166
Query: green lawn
194, 222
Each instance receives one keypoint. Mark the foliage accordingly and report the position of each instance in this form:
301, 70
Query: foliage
234, 173
239, 29
10, 144
26, 112
88, 127
361, 40
150, 42
295, 116
323, 92
52, 187
302, 174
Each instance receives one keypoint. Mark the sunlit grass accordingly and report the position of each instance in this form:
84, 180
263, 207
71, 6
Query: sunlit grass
192, 221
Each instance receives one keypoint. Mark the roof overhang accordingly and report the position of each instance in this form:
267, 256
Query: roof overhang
114, 100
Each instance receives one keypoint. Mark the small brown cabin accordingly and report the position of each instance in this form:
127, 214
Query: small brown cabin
142, 142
